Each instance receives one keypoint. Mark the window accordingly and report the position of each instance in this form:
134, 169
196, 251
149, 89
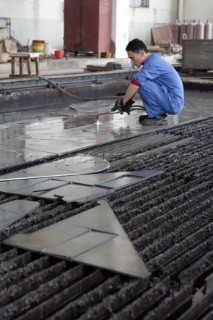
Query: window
139, 3
145, 3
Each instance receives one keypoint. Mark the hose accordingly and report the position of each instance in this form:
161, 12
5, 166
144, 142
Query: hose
55, 85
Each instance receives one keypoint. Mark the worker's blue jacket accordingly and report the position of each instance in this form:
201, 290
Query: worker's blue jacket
160, 86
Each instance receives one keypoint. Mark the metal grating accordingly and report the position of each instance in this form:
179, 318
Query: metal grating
169, 222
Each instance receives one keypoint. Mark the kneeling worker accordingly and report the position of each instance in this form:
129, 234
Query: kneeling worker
157, 82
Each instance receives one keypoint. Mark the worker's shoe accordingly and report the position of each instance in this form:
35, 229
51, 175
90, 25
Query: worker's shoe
158, 120
143, 117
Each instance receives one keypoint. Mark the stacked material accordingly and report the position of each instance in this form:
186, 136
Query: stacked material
193, 29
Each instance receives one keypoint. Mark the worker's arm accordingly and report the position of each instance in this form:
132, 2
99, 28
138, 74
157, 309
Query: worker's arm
130, 92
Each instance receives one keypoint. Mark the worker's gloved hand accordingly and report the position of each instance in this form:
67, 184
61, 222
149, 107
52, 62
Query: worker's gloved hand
127, 107
118, 106
121, 107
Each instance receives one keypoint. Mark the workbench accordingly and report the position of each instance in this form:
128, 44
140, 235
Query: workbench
23, 57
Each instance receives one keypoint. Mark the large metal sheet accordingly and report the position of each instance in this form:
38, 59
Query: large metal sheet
7, 217
49, 146
40, 188
19, 206
10, 156
72, 188
145, 173
102, 178
82, 244
14, 210
13, 186
117, 255
94, 237
47, 237
101, 218
80, 164
94, 179
122, 182
77, 193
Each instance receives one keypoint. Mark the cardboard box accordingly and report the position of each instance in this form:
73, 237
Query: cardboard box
4, 34
162, 36
2, 47
10, 46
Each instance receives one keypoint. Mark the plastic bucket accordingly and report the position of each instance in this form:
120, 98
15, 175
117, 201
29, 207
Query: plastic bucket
58, 54
38, 46
106, 55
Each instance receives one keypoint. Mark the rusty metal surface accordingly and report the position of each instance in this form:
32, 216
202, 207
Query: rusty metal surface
69, 80
197, 54
87, 25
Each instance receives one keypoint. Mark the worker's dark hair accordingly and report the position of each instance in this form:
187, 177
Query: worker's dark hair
136, 45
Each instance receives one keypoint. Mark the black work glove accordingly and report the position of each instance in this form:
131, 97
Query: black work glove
121, 107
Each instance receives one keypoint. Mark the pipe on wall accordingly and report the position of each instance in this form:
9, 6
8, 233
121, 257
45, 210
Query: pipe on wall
180, 10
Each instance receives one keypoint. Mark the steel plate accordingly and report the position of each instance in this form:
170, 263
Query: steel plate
15, 210
94, 237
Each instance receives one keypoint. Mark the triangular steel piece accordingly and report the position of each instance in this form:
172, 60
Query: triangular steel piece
94, 237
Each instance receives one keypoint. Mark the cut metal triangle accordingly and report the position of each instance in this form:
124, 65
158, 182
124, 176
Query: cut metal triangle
94, 237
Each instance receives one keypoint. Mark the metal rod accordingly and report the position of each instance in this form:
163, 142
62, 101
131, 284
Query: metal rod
55, 85
50, 176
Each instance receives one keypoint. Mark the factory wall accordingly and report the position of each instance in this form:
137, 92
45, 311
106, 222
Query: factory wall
44, 19
35, 20
120, 26
143, 19
198, 10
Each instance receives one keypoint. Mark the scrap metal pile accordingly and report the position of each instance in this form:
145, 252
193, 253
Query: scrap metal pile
168, 219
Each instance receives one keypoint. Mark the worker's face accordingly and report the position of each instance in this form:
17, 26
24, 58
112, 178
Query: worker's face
137, 59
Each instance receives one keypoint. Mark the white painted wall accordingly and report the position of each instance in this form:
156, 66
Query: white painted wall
120, 26
35, 20
44, 19
198, 10
143, 19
